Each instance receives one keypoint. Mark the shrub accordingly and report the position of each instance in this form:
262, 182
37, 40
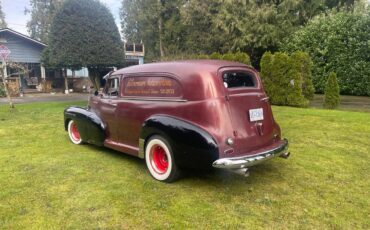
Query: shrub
304, 62
202, 56
331, 99
242, 58
2, 90
215, 55
283, 78
228, 56
337, 42
237, 57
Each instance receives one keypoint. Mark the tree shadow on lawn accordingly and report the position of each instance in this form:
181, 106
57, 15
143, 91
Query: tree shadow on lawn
258, 173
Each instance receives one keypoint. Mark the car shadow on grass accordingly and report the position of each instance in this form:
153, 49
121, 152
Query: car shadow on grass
220, 176
257, 173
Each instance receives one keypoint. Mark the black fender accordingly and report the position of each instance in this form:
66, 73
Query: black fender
192, 146
90, 126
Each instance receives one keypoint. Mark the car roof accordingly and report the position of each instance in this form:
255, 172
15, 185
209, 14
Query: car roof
181, 68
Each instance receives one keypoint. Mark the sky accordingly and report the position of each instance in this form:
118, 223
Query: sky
17, 20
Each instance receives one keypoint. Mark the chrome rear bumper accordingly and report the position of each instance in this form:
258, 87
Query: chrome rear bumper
234, 163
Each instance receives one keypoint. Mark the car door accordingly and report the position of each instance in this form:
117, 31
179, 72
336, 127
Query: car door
132, 111
108, 107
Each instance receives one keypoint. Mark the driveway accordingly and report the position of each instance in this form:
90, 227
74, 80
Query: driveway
46, 97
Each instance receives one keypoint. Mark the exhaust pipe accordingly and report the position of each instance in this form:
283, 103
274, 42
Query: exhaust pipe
242, 172
285, 155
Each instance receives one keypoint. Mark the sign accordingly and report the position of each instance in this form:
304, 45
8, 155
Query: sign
4, 52
151, 87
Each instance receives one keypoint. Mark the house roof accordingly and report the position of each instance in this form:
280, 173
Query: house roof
22, 35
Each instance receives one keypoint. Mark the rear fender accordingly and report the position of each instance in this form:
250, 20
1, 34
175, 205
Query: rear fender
90, 126
192, 146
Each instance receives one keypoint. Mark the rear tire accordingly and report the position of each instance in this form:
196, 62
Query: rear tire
160, 160
74, 134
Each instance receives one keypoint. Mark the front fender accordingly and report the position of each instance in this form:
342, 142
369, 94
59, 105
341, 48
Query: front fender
192, 146
90, 126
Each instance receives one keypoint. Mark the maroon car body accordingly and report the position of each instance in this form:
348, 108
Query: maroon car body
205, 113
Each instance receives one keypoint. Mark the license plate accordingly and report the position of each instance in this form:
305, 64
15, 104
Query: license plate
256, 114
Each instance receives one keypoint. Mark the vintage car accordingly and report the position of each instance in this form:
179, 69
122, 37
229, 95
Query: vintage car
182, 115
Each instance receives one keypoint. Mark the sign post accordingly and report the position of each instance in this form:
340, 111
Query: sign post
4, 53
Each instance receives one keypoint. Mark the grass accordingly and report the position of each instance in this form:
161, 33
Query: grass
349, 103
46, 182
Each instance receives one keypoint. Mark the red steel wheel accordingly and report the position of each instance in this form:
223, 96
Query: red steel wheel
159, 159
74, 134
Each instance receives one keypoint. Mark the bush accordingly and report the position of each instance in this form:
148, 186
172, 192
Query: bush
331, 99
237, 57
2, 90
228, 57
337, 42
216, 56
286, 78
242, 58
304, 62
202, 56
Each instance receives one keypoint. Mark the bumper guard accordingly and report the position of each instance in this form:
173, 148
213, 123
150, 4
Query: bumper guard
235, 163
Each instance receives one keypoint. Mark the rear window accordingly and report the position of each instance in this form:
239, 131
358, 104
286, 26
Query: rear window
238, 79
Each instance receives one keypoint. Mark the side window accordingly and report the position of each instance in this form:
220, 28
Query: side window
157, 86
234, 79
112, 87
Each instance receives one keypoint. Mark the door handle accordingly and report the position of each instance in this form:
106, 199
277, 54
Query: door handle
113, 103
266, 99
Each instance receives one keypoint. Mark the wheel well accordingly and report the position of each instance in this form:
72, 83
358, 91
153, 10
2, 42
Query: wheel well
147, 138
66, 123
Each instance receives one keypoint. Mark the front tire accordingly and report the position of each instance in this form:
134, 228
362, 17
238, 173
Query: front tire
160, 161
74, 134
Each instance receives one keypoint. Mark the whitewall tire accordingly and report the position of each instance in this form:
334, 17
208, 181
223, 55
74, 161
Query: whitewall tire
159, 159
74, 134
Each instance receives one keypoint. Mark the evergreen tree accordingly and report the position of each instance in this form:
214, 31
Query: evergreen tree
184, 27
42, 13
282, 78
304, 62
2, 17
83, 34
331, 99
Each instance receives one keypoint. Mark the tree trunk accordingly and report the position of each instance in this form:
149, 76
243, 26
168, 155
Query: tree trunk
66, 91
94, 77
160, 31
5, 76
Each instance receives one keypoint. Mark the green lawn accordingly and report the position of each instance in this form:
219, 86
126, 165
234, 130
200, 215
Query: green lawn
46, 182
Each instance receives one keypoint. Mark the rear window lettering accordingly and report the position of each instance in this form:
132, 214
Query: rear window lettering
151, 87
238, 79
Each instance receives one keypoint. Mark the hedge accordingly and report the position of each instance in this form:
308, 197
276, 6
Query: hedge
237, 57
337, 42
287, 79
